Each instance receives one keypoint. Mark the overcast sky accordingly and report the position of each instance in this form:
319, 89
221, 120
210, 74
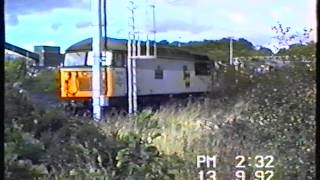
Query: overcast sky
65, 22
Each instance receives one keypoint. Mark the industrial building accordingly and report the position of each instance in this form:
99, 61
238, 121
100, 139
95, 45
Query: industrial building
43, 56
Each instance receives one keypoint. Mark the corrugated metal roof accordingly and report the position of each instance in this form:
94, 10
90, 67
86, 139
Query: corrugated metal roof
121, 44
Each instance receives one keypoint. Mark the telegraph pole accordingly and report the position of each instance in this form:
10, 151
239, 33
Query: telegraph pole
130, 64
231, 48
96, 48
154, 30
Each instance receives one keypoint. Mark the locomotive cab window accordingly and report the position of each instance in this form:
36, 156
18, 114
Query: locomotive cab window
118, 58
105, 62
202, 69
75, 59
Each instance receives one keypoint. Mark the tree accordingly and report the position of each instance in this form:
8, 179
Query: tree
265, 50
164, 42
286, 37
294, 44
245, 42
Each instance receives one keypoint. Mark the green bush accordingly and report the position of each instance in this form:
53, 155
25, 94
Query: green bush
273, 116
15, 71
49, 144
45, 81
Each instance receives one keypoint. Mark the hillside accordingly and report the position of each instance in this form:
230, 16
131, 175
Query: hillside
219, 49
307, 50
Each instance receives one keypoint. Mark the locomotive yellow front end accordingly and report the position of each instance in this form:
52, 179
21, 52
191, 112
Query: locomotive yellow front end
75, 76
75, 83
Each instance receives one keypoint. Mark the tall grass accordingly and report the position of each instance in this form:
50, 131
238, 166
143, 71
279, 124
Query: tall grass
275, 116
271, 114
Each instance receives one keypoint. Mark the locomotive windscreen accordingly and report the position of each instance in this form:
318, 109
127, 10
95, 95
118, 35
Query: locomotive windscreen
106, 62
85, 59
75, 59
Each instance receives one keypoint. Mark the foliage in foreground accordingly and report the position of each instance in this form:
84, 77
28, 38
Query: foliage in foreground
42, 81
47, 144
275, 116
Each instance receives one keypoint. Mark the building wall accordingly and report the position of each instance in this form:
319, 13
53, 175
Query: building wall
49, 55
52, 59
52, 49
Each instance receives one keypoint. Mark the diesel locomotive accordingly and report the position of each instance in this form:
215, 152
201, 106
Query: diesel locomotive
173, 73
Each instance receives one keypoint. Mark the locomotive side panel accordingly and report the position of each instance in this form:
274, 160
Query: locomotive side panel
169, 76
119, 84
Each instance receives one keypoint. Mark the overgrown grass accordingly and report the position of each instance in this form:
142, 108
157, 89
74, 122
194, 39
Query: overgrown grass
271, 114
273, 117
44, 82
48, 144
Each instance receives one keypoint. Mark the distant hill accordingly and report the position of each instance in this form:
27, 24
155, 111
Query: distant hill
265, 50
219, 49
307, 50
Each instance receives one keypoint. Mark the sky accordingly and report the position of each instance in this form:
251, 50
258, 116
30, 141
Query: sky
64, 22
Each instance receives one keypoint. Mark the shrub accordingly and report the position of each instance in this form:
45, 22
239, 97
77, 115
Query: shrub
273, 116
48, 144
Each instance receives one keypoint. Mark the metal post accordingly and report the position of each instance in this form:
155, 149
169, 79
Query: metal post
41, 58
134, 73
132, 94
139, 46
129, 69
96, 70
154, 31
134, 78
147, 46
231, 51
134, 53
